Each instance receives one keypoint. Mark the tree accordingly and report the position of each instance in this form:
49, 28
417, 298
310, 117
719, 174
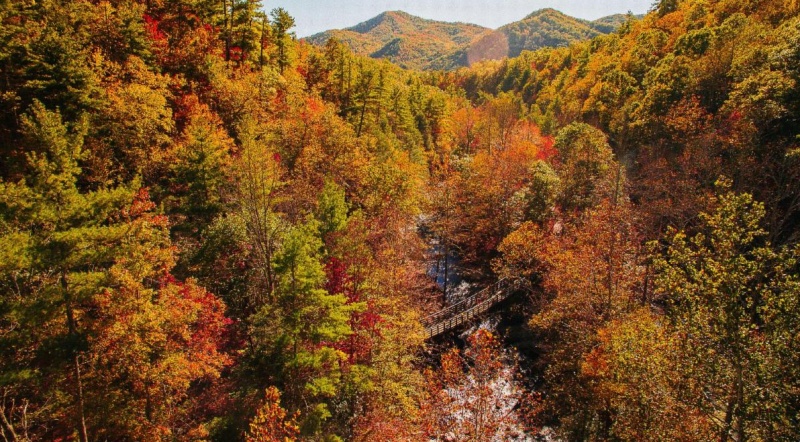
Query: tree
281, 23
332, 209
271, 423
501, 116
244, 29
542, 192
464, 129
490, 194
47, 58
585, 165
730, 297
591, 274
474, 397
134, 129
149, 346
87, 281
301, 327
201, 169
258, 181
632, 372
59, 236
664, 7
379, 394
519, 253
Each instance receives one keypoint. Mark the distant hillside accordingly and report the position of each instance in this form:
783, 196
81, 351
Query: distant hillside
408, 41
611, 23
417, 43
546, 28
541, 29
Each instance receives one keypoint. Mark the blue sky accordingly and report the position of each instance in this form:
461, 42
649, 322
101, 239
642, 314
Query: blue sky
314, 16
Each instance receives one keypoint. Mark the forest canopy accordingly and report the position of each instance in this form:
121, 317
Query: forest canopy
210, 230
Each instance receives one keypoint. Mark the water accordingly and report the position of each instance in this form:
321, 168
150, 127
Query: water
438, 263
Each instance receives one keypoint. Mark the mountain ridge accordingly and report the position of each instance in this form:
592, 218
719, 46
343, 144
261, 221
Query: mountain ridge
405, 39
418, 43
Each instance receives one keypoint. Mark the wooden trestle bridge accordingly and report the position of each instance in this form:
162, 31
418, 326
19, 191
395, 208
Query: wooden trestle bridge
469, 308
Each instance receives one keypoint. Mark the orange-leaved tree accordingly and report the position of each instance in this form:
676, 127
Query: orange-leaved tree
475, 395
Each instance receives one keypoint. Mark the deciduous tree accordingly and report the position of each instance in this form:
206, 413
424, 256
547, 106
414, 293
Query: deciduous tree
722, 286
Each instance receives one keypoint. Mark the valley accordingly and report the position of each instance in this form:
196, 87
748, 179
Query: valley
406, 230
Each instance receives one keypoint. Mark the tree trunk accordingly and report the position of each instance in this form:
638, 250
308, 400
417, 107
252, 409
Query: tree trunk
79, 384
263, 28
227, 31
73, 333
361, 119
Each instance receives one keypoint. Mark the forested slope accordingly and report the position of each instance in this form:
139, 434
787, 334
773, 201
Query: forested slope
545, 28
669, 262
193, 208
417, 43
405, 40
696, 89
210, 231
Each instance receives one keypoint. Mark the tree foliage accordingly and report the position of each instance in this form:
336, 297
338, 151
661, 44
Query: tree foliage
196, 208
723, 285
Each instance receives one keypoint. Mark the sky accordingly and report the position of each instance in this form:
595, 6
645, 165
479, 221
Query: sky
312, 16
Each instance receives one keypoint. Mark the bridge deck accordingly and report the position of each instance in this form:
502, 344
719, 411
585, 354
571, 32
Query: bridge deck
476, 304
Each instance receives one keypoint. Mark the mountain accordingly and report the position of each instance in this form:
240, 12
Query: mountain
541, 29
545, 28
408, 41
611, 23
417, 43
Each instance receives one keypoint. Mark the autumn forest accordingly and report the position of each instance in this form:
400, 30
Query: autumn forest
212, 230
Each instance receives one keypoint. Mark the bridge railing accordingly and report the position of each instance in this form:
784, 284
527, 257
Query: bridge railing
467, 309
463, 305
